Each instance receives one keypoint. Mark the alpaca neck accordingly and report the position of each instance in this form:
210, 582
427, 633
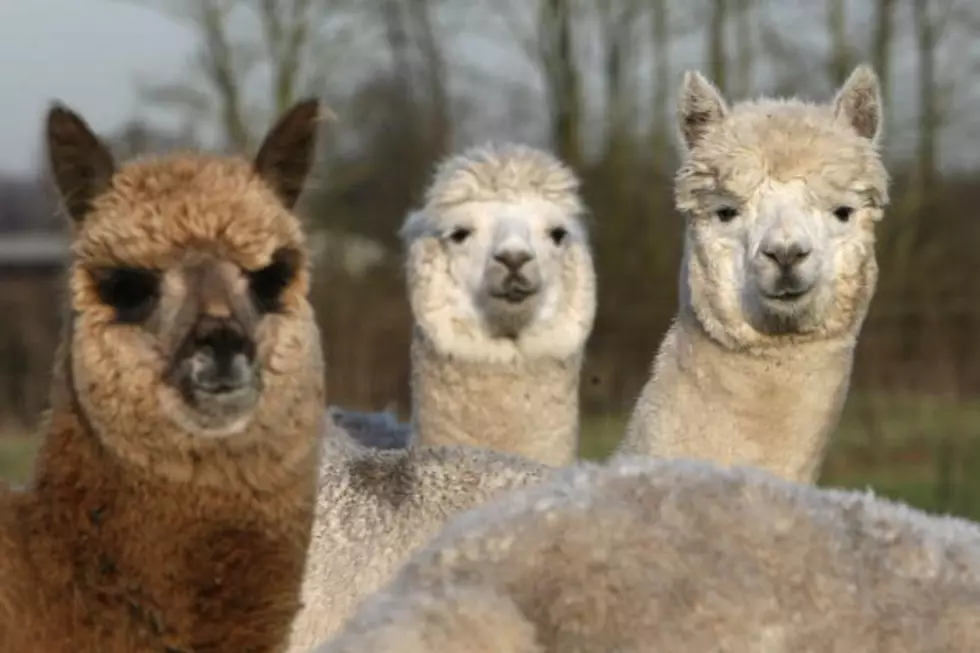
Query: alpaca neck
525, 406
773, 409
144, 557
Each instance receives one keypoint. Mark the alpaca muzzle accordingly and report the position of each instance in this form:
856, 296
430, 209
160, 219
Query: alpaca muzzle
222, 359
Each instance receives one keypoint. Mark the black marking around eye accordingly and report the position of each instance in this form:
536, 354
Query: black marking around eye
132, 292
267, 284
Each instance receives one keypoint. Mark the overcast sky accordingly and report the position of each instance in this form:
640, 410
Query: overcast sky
86, 53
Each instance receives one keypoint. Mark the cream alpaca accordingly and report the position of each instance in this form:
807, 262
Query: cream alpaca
502, 289
377, 507
678, 555
781, 199
173, 494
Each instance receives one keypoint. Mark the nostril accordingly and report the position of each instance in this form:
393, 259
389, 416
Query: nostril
513, 259
787, 256
222, 340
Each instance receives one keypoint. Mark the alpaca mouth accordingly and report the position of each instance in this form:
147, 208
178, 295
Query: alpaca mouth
514, 290
513, 295
216, 388
787, 296
788, 290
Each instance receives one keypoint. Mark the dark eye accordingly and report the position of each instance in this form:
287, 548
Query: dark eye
132, 292
460, 234
726, 213
843, 213
268, 284
558, 235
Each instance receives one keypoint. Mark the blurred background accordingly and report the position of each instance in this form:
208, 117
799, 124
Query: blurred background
592, 80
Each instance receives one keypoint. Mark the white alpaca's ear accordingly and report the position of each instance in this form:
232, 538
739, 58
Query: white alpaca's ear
858, 103
286, 153
82, 167
699, 105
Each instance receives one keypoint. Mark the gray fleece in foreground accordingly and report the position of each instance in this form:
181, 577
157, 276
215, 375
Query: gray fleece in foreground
681, 556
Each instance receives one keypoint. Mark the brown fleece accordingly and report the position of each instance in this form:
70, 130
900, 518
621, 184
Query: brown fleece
138, 533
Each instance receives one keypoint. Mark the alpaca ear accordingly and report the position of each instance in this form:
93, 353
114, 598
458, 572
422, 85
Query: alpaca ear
858, 103
82, 167
286, 154
699, 106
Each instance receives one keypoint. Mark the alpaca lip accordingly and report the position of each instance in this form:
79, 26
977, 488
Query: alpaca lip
514, 295
787, 296
514, 290
226, 381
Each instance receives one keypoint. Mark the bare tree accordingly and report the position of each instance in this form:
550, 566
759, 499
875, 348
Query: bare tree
716, 42
660, 32
285, 46
418, 65
616, 21
562, 78
930, 25
840, 61
745, 55
884, 27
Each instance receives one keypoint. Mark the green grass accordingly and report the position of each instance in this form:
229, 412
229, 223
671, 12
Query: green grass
927, 455
16, 456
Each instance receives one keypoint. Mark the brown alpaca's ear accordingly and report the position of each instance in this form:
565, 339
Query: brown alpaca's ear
286, 154
82, 167
858, 103
699, 105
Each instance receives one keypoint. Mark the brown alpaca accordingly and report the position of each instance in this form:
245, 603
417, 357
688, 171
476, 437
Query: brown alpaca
173, 497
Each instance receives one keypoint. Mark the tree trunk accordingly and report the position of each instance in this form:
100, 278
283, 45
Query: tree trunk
928, 107
840, 50
561, 79
717, 52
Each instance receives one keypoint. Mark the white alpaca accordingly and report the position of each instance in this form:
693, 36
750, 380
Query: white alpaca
781, 198
375, 508
663, 556
502, 289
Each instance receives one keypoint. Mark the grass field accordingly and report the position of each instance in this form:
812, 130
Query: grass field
927, 453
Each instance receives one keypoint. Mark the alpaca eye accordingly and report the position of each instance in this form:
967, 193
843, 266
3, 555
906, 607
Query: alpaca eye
843, 213
726, 213
131, 292
268, 284
558, 235
460, 234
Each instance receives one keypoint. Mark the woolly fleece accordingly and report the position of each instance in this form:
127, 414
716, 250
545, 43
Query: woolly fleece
136, 535
666, 556
376, 507
742, 378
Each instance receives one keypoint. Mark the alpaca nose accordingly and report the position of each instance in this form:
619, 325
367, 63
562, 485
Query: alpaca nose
513, 259
222, 357
786, 254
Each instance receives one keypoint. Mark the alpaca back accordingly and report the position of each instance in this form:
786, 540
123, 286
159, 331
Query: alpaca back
375, 508
645, 555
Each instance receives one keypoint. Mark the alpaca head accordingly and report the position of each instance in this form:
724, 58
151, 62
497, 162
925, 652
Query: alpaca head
189, 323
781, 198
498, 258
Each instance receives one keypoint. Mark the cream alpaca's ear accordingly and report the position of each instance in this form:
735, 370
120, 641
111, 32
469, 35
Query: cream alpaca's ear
858, 103
699, 106
286, 154
82, 167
